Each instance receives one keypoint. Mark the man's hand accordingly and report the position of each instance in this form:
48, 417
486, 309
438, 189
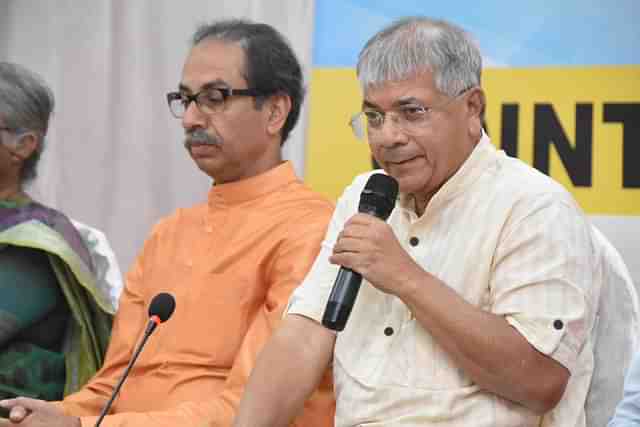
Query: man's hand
368, 246
27, 412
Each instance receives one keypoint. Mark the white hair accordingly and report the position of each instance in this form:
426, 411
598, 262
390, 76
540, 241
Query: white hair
412, 45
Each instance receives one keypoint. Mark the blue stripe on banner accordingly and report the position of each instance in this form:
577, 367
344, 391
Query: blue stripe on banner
566, 33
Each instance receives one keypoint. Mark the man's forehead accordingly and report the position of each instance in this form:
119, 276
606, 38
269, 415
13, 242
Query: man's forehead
394, 93
213, 62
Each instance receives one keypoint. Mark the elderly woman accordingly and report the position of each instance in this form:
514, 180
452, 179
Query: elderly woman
54, 323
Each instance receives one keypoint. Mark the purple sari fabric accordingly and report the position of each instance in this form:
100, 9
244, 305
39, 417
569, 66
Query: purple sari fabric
11, 216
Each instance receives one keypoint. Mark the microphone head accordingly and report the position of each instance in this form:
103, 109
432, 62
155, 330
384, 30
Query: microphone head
162, 306
379, 196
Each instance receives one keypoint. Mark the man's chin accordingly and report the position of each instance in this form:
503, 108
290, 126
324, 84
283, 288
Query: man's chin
206, 163
411, 183
208, 169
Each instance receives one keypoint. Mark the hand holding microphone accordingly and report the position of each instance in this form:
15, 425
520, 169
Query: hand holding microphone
377, 199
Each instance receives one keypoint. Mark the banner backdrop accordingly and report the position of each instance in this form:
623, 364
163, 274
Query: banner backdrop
563, 91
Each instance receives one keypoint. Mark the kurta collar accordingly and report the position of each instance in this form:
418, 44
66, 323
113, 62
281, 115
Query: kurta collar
478, 161
238, 192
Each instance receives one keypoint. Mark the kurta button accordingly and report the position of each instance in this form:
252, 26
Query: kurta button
388, 331
558, 324
414, 241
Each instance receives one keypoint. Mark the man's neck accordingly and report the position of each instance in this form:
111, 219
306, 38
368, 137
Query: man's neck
420, 203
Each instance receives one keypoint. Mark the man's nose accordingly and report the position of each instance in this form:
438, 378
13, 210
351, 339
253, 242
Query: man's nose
392, 131
193, 117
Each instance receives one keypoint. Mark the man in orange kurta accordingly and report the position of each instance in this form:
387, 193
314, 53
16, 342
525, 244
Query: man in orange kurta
231, 262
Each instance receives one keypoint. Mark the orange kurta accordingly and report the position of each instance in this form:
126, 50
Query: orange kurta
231, 264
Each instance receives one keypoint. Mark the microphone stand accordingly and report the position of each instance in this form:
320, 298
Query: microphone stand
151, 326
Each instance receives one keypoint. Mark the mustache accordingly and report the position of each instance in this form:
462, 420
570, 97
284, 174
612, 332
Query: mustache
200, 136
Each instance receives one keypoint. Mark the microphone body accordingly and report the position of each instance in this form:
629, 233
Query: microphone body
377, 199
160, 309
342, 298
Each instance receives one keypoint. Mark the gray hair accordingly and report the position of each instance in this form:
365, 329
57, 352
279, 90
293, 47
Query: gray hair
416, 44
26, 103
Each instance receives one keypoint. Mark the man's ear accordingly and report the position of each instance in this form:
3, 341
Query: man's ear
476, 104
278, 108
25, 146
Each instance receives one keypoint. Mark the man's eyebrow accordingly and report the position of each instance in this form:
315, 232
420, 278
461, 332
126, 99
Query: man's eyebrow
369, 104
410, 100
217, 83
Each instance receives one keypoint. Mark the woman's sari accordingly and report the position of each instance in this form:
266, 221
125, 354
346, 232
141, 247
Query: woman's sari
28, 224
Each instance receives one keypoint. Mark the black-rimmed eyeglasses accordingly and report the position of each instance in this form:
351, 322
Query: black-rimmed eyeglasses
208, 101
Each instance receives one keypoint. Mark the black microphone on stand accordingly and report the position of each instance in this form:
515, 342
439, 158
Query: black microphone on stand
160, 310
378, 199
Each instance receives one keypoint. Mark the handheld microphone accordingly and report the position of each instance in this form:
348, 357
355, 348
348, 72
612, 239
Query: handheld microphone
160, 310
378, 199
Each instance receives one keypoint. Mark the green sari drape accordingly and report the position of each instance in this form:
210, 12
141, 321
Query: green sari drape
27, 224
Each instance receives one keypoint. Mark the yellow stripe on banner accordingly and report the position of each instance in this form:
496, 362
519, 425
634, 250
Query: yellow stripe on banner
333, 155
580, 125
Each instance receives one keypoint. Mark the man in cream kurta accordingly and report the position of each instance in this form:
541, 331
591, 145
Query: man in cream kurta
478, 297
508, 240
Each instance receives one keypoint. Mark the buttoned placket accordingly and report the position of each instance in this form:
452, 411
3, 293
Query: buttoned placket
415, 238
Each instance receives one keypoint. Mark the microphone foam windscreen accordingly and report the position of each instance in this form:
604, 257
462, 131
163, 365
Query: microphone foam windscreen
379, 195
162, 305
